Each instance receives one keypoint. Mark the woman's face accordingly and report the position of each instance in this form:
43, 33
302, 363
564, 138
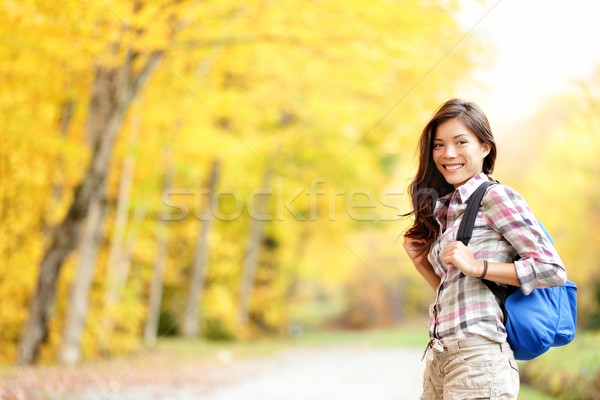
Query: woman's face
457, 152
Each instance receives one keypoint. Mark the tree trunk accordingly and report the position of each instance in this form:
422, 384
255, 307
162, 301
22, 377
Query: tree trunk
156, 287
117, 245
252, 254
66, 116
70, 353
112, 92
70, 350
123, 267
125, 259
117, 269
191, 323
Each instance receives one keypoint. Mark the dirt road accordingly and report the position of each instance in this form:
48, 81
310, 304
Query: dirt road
300, 373
322, 373
337, 373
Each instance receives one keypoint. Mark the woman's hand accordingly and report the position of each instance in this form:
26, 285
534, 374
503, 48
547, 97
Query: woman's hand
460, 256
414, 249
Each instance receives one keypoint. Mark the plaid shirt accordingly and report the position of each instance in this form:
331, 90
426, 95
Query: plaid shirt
505, 230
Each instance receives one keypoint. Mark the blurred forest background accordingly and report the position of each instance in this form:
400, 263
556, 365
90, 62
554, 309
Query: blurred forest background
232, 170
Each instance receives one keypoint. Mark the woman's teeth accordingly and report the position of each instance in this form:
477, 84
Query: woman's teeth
453, 167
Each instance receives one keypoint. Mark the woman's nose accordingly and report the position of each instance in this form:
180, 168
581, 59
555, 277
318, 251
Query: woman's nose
449, 152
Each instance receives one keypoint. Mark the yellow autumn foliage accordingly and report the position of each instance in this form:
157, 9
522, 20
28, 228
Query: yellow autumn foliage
324, 95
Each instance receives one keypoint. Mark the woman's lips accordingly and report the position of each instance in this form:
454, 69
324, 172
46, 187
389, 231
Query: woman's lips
452, 167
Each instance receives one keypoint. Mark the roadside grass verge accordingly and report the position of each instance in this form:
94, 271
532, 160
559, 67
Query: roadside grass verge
527, 393
412, 335
571, 372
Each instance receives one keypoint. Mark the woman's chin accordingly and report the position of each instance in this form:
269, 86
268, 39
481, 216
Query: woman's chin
455, 180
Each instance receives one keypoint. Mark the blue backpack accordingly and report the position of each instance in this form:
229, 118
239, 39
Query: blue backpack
545, 318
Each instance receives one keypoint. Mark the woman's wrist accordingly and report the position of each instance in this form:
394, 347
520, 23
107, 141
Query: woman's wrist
479, 269
485, 268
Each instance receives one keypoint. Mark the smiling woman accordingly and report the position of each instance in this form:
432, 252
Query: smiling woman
468, 355
454, 118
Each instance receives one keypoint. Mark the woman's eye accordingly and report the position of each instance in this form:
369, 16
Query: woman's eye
462, 142
437, 145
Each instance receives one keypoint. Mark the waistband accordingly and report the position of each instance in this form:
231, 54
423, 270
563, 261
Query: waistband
454, 346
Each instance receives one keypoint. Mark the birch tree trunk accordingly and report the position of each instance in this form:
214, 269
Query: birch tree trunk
126, 257
191, 320
117, 246
113, 90
70, 350
117, 269
156, 287
252, 253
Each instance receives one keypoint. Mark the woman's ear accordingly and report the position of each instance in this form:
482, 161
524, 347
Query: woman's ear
486, 149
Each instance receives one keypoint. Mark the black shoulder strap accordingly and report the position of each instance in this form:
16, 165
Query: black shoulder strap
465, 231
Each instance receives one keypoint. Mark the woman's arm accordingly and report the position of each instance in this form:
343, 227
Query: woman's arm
414, 249
501, 272
426, 270
539, 265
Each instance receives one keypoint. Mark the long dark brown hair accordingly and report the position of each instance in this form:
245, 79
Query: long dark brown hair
429, 184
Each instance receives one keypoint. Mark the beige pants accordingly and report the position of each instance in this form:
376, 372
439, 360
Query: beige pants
473, 368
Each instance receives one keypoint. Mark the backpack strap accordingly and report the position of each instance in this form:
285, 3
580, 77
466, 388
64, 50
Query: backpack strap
465, 232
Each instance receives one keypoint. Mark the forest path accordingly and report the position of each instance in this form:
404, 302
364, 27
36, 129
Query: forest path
298, 373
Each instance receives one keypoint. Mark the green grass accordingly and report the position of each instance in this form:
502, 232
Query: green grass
527, 393
571, 372
394, 337
181, 351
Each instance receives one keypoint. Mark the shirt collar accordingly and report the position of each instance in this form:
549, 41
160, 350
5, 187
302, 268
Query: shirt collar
464, 191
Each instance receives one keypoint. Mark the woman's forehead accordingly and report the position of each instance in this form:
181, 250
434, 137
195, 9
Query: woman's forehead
452, 129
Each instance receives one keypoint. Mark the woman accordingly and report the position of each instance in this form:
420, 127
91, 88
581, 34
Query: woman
468, 356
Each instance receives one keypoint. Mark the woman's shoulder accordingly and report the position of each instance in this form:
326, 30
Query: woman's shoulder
503, 194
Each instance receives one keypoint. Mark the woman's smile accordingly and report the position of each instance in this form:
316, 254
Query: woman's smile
452, 167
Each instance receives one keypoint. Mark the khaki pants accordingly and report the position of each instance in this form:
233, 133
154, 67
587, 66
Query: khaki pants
473, 368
